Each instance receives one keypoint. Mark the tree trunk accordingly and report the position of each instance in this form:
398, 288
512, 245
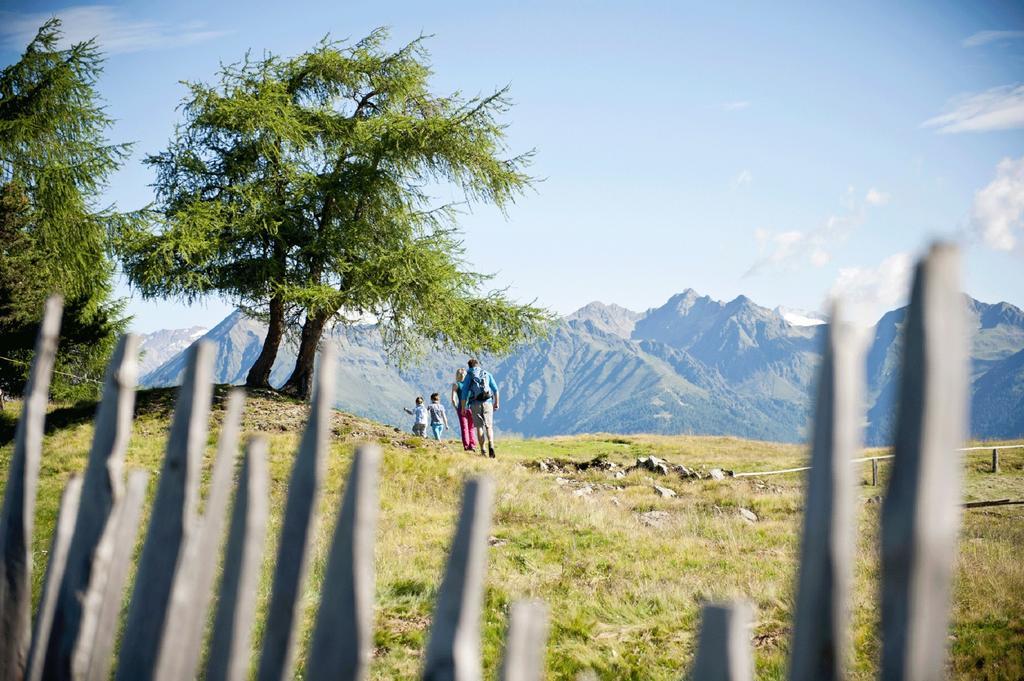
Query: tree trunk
300, 383
259, 373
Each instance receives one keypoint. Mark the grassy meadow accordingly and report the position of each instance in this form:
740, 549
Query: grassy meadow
624, 589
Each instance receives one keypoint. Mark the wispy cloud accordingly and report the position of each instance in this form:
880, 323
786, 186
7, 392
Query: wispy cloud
115, 32
868, 292
985, 37
792, 249
998, 108
736, 105
874, 197
997, 213
742, 179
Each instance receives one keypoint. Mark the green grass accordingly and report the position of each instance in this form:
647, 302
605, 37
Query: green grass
624, 596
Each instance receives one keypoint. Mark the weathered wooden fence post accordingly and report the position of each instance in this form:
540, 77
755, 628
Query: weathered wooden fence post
874, 472
103, 605
190, 597
921, 511
453, 649
343, 635
995, 460
99, 536
19, 506
57, 559
298, 530
723, 647
818, 648
524, 642
172, 522
231, 643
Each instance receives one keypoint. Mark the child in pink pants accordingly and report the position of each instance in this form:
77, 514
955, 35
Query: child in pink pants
465, 415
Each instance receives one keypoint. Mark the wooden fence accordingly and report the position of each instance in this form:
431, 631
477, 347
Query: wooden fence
174, 594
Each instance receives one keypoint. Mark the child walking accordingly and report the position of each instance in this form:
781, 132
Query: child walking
438, 418
419, 418
465, 415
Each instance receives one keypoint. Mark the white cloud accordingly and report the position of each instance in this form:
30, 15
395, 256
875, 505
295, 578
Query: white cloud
793, 249
985, 37
998, 108
736, 105
868, 292
744, 178
115, 32
998, 209
875, 197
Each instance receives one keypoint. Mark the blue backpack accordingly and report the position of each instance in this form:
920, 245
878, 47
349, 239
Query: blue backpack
479, 385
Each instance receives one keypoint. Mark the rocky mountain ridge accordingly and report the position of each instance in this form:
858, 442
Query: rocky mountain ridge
693, 365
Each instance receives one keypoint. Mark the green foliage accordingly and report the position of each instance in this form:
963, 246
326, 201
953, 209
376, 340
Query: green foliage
54, 160
306, 180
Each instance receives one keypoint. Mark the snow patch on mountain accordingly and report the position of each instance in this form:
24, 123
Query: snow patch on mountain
796, 317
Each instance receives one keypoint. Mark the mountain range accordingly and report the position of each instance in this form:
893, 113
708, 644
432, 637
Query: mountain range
693, 365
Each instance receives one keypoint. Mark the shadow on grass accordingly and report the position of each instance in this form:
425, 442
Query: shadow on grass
155, 402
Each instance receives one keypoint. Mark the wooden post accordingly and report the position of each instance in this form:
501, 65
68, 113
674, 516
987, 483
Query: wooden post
231, 642
723, 648
921, 511
298, 530
995, 460
524, 642
874, 472
58, 557
453, 650
343, 636
190, 600
103, 604
87, 570
19, 506
172, 521
818, 649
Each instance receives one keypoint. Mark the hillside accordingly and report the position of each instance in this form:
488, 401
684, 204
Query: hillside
623, 569
692, 365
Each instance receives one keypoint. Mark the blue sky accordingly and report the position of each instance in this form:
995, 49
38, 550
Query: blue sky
782, 151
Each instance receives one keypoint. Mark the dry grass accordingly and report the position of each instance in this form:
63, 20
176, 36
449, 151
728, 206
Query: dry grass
624, 595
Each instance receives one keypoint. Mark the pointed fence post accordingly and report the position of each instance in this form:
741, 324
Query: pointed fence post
231, 642
87, 569
453, 651
818, 649
58, 557
171, 523
342, 638
921, 511
103, 605
723, 648
190, 599
524, 643
298, 530
19, 506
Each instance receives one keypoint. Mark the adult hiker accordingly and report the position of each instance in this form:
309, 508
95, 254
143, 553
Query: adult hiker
463, 412
480, 392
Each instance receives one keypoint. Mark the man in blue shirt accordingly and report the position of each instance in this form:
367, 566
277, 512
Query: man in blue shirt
480, 392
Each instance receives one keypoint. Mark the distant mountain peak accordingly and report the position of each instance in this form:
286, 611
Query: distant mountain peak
607, 317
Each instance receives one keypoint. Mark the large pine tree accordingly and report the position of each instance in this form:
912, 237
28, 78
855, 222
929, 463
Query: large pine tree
54, 161
301, 189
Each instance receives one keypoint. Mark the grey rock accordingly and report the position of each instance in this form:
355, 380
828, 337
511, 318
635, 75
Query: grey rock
717, 474
664, 491
748, 515
653, 518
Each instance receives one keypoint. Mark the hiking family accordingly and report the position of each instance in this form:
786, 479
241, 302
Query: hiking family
474, 395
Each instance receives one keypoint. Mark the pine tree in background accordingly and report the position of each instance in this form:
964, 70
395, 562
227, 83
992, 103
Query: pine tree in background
300, 189
54, 161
